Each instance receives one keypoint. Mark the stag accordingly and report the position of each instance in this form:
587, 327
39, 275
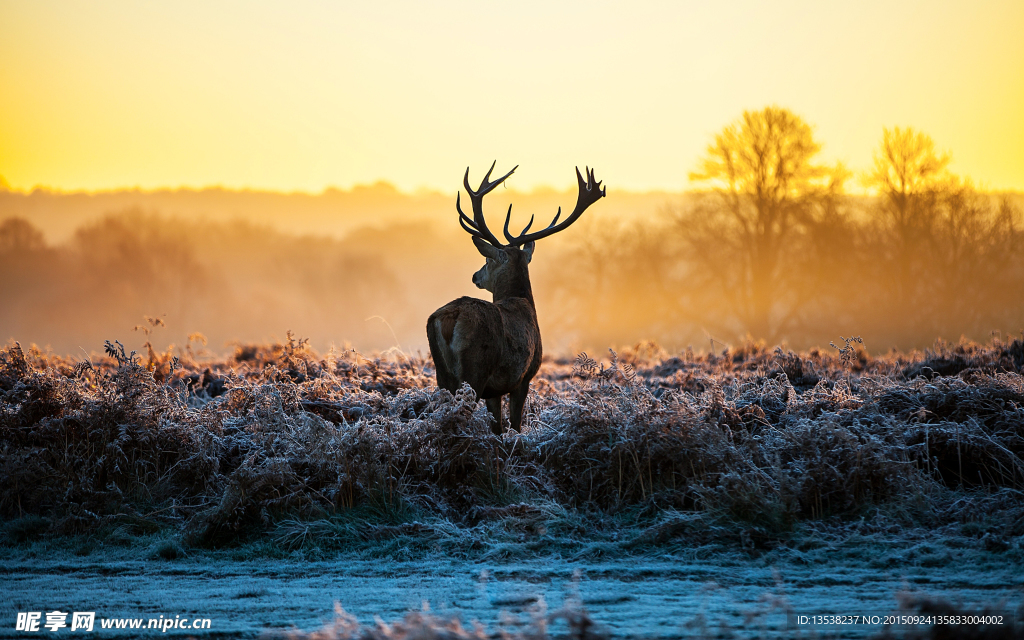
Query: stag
495, 346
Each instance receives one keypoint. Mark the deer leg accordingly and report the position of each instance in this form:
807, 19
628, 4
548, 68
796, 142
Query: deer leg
494, 406
517, 400
445, 378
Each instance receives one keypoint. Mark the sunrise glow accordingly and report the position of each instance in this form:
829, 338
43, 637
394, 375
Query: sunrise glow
302, 96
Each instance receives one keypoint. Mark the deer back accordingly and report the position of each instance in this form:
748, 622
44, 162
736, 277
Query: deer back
494, 347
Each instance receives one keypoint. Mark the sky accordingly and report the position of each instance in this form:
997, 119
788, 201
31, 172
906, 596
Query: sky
301, 96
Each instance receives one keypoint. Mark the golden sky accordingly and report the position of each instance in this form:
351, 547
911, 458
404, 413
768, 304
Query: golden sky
304, 95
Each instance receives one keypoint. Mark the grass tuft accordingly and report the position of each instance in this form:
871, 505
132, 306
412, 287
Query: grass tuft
644, 449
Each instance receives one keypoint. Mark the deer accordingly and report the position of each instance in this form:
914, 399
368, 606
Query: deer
495, 346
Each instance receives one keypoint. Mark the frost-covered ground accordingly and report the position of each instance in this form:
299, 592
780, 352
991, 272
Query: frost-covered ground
694, 593
655, 598
736, 489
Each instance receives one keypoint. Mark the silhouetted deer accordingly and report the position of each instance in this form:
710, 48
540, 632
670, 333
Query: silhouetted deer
495, 347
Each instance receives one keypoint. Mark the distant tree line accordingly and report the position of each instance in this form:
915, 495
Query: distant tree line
774, 248
227, 281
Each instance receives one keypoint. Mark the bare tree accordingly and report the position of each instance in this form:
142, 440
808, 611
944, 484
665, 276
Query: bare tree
910, 177
944, 251
765, 188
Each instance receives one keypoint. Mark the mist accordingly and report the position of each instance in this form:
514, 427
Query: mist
364, 269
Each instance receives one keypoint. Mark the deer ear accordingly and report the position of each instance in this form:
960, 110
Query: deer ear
488, 250
528, 250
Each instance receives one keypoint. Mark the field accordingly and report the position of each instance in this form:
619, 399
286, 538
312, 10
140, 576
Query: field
720, 481
774, 253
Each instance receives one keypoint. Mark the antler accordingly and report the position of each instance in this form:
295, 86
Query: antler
478, 226
590, 192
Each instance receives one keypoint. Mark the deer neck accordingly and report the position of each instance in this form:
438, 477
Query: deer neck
518, 286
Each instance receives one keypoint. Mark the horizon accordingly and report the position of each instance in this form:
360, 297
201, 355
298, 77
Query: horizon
385, 185
380, 185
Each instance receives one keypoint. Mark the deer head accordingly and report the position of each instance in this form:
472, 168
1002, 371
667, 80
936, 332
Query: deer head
506, 263
502, 264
